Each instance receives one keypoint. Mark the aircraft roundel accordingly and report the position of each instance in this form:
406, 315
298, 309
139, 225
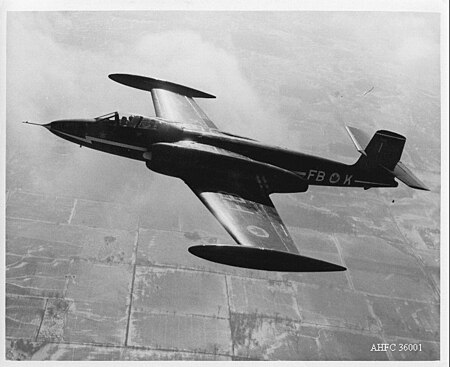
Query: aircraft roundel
334, 177
257, 231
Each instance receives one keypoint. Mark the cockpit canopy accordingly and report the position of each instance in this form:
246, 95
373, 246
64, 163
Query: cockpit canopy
127, 120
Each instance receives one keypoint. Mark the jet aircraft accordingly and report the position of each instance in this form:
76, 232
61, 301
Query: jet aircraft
232, 175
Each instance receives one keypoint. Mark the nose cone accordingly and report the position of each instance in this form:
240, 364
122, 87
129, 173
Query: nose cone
69, 128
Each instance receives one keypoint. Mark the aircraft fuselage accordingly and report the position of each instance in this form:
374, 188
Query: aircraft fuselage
135, 139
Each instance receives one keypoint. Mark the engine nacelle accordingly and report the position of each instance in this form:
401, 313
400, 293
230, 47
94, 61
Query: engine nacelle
193, 161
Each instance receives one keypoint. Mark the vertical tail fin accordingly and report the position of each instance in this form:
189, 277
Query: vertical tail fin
383, 150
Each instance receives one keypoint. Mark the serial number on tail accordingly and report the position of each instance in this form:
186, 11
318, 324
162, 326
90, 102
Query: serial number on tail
333, 178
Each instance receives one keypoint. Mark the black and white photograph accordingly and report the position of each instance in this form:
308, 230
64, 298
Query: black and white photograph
192, 183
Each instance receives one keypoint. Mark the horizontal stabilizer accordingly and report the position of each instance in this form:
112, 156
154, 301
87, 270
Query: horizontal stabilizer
359, 138
407, 177
261, 258
144, 83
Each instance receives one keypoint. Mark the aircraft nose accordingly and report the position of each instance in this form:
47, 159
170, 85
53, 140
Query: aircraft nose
57, 124
75, 127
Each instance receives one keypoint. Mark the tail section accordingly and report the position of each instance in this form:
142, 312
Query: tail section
407, 177
384, 151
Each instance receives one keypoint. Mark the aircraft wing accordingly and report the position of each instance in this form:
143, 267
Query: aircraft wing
172, 101
176, 107
249, 216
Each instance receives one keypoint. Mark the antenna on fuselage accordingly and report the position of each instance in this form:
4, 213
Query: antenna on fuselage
33, 123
